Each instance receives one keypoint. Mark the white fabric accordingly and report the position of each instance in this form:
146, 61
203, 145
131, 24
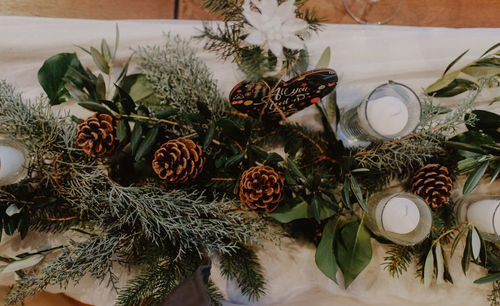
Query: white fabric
364, 56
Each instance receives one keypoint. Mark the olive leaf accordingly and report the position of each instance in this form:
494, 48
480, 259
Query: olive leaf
428, 269
474, 178
439, 263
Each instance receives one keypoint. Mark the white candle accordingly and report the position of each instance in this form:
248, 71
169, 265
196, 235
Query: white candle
485, 215
387, 115
400, 215
11, 163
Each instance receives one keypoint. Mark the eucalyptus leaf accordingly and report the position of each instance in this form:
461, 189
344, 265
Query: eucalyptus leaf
95, 107
488, 279
428, 269
356, 189
99, 60
439, 263
121, 131
147, 144
474, 178
325, 257
476, 244
24, 263
324, 60
354, 250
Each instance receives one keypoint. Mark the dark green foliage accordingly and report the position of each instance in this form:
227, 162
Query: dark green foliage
397, 259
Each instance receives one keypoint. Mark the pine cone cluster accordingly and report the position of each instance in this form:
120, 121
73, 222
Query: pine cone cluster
261, 187
178, 161
97, 135
433, 183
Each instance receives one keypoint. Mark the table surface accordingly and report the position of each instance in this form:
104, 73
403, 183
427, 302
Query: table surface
442, 13
364, 57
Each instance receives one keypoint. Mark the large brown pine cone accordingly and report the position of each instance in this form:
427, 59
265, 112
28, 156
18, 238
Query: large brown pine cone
261, 187
433, 183
178, 161
97, 135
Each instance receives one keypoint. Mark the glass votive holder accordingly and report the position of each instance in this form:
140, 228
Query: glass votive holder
401, 217
14, 160
483, 211
390, 111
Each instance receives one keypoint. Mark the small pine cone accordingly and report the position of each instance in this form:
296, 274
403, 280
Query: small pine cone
261, 187
97, 135
433, 183
178, 161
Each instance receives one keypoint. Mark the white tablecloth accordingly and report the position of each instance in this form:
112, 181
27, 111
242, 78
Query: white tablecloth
364, 56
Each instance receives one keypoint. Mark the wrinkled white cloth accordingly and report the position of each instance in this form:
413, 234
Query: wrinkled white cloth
363, 56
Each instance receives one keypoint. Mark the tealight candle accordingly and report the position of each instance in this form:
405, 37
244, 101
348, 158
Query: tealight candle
390, 111
483, 211
13, 161
401, 217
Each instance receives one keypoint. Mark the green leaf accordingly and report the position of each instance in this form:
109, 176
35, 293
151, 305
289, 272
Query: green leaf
105, 51
454, 88
166, 113
439, 263
209, 136
126, 101
491, 48
273, 158
203, 108
286, 215
346, 195
95, 107
481, 71
117, 40
495, 174
455, 61
428, 269
24, 263
356, 189
354, 250
51, 76
457, 240
324, 60
99, 60
23, 225
100, 87
124, 71
135, 138
466, 257
474, 178
488, 279
148, 142
442, 83
325, 257
465, 146
234, 159
121, 131
293, 167
9, 225
316, 208
475, 243
76, 120
138, 88
76, 93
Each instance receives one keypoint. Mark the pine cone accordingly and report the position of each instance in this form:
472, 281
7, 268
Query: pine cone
261, 187
433, 183
97, 135
178, 161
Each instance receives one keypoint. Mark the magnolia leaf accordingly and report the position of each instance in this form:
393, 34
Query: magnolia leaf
146, 145
457, 240
356, 189
121, 131
99, 60
488, 279
439, 263
95, 107
51, 76
24, 263
455, 61
474, 178
324, 60
325, 257
428, 269
354, 250
476, 244
12, 210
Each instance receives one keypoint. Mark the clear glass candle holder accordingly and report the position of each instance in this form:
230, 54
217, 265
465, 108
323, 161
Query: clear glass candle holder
401, 217
14, 160
372, 11
390, 111
483, 211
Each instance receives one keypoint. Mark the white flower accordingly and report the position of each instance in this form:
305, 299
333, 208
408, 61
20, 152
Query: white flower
273, 26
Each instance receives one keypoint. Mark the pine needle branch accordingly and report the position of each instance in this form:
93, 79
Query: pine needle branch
397, 260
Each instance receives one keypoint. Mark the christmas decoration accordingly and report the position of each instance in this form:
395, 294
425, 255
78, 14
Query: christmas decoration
97, 135
178, 161
433, 183
261, 187
287, 98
